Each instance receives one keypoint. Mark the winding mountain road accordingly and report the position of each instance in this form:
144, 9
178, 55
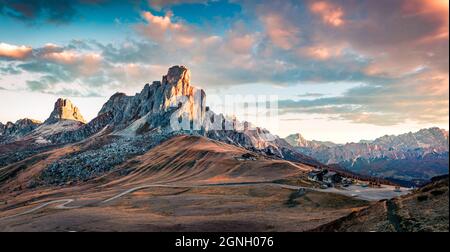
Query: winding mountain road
63, 204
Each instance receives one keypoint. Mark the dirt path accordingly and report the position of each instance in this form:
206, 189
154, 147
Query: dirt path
393, 218
63, 204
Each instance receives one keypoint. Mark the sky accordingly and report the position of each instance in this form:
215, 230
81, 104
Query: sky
343, 70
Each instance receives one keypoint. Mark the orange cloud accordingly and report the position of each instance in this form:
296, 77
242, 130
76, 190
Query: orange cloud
434, 11
158, 26
427, 6
330, 14
86, 64
163, 23
63, 57
14, 52
282, 33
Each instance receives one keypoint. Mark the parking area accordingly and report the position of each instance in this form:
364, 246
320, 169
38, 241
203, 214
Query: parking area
369, 193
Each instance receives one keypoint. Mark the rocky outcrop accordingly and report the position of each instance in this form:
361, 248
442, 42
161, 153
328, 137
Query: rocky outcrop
64, 109
11, 131
157, 104
64, 118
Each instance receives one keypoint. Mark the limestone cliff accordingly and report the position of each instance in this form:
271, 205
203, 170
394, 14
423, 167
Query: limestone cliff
64, 109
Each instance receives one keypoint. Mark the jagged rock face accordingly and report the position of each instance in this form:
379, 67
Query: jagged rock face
64, 110
178, 77
19, 128
2, 128
434, 139
158, 103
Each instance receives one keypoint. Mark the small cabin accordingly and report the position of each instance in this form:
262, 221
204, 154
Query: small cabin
331, 178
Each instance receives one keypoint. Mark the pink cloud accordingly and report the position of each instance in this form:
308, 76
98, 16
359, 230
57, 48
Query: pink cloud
163, 29
64, 57
158, 25
233, 49
184, 40
282, 33
417, 37
434, 11
14, 51
85, 63
161, 23
330, 14
239, 41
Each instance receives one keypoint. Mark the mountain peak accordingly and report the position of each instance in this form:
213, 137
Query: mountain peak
26, 121
64, 109
179, 78
176, 75
297, 140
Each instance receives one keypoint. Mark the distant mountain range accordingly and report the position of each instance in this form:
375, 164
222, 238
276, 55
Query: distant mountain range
411, 156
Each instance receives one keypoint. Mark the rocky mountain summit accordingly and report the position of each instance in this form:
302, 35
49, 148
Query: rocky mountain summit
157, 104
426, 149
64, 109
